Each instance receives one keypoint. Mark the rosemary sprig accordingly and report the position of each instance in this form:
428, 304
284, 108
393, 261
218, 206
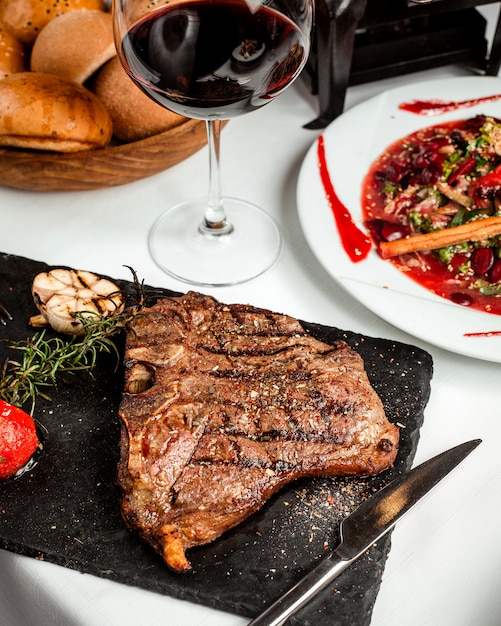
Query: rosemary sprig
44, 359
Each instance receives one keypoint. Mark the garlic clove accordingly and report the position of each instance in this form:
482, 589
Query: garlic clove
60, 294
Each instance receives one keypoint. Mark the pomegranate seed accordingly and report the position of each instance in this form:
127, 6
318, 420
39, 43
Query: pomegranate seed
495, 272
390, 232
482, 260
458, 260
423, 158
463, 299
431, 174
382, 230
475, 123
395, 171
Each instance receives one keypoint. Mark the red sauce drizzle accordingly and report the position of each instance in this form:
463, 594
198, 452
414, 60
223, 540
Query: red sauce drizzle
437, 107
355, 243
489, 333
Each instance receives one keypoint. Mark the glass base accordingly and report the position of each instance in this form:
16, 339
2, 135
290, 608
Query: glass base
181, 250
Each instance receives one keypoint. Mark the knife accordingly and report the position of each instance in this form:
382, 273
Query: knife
364, 527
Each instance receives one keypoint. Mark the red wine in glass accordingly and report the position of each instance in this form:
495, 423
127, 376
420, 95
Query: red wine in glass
220, 58
213, 60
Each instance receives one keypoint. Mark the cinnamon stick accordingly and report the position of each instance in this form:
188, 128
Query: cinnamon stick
472, 231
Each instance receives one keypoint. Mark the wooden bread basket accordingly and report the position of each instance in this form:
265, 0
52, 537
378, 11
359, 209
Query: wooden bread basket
116, 165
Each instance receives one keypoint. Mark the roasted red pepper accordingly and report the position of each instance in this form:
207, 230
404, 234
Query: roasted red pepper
462, 170
18, 439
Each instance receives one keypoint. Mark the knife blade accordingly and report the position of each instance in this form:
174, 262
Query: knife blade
364, 527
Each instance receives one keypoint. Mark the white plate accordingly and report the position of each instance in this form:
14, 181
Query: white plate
352, 142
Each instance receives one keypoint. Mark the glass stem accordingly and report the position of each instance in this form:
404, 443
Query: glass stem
215, 221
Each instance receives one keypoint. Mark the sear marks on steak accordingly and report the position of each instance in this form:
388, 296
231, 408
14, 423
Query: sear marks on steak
222, 406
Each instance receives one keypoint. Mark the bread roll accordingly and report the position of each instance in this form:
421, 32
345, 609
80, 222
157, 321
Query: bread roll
135, 116
75, 45
45, 112
12, 54
25, 18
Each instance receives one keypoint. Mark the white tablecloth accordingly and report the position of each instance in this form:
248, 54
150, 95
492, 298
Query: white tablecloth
445, 563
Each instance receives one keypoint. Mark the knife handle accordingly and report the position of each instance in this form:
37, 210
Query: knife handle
302, 592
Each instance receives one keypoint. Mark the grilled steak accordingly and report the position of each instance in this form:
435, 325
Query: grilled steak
222, 406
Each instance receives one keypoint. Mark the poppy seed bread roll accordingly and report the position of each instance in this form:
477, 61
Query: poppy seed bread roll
25, 18
44, 112
75, 45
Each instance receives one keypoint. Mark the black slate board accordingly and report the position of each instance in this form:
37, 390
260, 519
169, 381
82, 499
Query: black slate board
65, 510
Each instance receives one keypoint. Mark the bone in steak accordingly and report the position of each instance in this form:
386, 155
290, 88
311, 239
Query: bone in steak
222, 406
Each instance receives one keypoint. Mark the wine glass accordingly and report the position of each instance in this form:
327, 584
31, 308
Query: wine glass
213, 60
